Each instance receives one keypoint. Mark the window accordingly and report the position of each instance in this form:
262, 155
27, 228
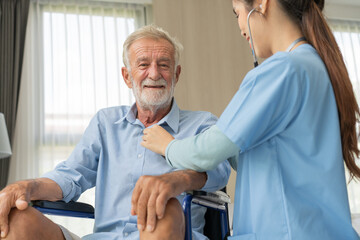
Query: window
72, 68
347, 34
82, 66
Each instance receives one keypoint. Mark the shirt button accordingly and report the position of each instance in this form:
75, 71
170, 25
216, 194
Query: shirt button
126, 234
140, 155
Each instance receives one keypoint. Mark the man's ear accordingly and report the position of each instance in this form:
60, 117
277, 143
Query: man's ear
177, 73
126, 75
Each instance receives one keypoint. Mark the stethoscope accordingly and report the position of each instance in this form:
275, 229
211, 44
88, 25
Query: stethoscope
256, 63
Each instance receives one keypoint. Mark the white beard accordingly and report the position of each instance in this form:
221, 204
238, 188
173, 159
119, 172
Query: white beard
153, 98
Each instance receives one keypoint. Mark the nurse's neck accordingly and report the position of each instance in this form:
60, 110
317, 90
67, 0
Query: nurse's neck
283, 31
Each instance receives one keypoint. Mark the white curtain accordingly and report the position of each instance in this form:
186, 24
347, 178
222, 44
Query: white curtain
347, 34
72, 68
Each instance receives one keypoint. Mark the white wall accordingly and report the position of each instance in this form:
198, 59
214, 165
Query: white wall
337, 10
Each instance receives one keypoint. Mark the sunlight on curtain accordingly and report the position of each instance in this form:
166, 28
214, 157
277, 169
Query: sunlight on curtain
347, 34
82, 68
72, 68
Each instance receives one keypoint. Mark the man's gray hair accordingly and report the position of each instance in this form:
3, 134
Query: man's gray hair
152, 32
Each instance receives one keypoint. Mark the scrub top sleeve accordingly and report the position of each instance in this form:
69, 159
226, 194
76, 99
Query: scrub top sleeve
201, 152
265, 104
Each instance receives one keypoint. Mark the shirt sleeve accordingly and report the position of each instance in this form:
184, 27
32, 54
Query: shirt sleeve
78, 172
202, 152
265, 104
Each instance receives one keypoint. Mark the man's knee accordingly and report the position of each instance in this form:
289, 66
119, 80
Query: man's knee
31, 224
171, 226
21, 220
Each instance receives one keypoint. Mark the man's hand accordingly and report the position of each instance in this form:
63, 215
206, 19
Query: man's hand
152, 193
19, 195
15, 195
156, 139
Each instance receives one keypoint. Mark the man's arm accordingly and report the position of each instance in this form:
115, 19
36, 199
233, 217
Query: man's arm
151, 194
20, 193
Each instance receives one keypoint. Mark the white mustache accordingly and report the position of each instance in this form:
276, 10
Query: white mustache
150, 82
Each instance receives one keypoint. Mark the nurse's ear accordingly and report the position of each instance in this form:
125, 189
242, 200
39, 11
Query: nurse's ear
263, 6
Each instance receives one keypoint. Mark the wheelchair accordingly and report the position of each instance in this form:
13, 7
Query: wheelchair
216, 217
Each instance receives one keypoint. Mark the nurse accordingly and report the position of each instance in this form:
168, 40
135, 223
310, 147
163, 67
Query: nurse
286, 131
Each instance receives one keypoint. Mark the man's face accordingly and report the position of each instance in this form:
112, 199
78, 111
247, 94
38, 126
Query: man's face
152, 72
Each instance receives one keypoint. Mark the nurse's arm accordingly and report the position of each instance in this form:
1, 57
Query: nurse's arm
200, 153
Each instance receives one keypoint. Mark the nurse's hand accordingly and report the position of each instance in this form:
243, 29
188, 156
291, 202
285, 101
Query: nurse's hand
156, 139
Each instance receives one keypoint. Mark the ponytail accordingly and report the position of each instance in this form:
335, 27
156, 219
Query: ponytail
319, 35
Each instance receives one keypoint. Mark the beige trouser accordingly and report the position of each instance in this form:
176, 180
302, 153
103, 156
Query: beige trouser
69, 235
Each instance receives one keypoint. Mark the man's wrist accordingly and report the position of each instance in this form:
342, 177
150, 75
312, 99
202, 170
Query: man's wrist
44, 189
196, 180
32, 187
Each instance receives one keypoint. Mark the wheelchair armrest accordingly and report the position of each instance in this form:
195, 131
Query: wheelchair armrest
217, 200
214, 200
61, 208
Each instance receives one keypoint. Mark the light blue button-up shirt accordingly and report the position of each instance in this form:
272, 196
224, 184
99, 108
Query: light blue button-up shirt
110, 157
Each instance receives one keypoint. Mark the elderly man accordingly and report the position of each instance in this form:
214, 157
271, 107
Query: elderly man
110, 157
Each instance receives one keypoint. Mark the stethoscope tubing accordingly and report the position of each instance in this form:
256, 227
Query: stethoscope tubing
251, 39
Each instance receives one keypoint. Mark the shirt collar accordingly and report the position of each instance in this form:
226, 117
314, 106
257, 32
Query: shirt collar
130, 116
171, 119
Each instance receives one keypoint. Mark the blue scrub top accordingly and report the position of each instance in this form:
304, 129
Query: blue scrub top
290, 175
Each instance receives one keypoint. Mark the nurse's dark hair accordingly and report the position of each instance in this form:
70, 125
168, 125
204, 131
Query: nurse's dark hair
308, 14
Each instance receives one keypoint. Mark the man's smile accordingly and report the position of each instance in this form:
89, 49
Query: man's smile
150, 86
